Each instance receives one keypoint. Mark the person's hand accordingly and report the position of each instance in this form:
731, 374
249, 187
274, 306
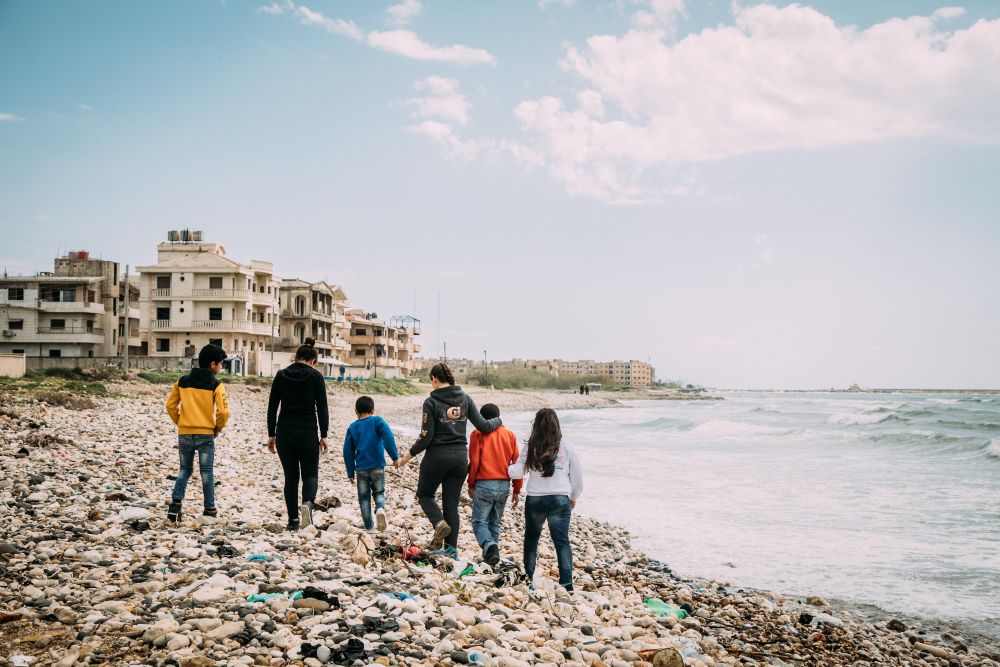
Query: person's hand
323, 445
350, 478
395, 464
217, 432
272, 444
404, 460
472, 492
517, 497
572, 504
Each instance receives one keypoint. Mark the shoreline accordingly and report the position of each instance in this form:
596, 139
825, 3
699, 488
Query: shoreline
124, 450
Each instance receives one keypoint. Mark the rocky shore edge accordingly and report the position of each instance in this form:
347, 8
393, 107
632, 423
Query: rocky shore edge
93, 574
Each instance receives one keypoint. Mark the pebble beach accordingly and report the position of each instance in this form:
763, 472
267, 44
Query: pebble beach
91, 572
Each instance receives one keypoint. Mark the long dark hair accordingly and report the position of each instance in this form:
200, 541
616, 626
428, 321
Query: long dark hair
543, 445
307, 352
443, 373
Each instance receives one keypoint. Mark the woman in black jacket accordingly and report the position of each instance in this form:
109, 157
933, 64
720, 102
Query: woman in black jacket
300, 391
446, 413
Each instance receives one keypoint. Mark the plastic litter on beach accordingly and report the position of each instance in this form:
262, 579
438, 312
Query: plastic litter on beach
267, 597
661, 608
262, 558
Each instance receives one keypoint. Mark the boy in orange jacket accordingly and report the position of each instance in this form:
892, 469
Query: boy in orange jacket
197, 404
489, 484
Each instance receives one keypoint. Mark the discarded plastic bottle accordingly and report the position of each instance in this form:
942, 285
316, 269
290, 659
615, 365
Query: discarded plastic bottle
661, 608
477, 658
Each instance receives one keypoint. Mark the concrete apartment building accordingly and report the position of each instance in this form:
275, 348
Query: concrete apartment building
77, 310
380, 349
315, 310
195, 294
632, 373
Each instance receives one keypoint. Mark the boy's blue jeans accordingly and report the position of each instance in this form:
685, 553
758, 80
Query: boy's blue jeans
557, 510
370, 483
204, 445
488, 502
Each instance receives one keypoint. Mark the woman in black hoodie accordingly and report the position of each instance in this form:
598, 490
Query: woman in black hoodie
446, 413
300, 391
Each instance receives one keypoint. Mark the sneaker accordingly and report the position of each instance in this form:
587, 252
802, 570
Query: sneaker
449, 551
380, 521
441, 531
210, 512
292, 525
492, 555
174, 512
371, 531
305, 513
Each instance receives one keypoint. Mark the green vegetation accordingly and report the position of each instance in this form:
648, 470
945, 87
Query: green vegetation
524, 378
385, 387
71, 388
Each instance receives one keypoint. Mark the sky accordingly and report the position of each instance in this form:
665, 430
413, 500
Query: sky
747, 195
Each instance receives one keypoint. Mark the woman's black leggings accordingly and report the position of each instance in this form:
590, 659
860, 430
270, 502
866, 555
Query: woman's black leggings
446, 467
298, 450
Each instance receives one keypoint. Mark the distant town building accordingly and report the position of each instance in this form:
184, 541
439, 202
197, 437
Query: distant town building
195, 295
317, 311
381, 349
632, 373
77, 310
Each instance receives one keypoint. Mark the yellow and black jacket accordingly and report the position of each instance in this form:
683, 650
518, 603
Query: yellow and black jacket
197, 404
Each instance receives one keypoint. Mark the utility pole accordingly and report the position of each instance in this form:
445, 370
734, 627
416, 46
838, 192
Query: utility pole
439, 327
446, 352
127, 300
486, 369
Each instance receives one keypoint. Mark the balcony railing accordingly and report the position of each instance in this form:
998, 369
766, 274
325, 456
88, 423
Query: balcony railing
161, 293
74, 330
266, 299
161, 324
70, 307
236, 294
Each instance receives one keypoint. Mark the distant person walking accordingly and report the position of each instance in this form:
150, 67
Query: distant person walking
555, 482
300, 393
197, 405
446, 413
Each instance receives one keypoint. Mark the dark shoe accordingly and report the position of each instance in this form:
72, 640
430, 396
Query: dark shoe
441, 531
492, 555
210, 512
174, 512
292, 525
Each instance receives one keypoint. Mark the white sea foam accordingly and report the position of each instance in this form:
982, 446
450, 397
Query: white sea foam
993, 449
722, 428
855, 418
943, 401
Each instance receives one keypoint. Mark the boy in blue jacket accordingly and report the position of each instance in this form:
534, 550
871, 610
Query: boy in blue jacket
363, 455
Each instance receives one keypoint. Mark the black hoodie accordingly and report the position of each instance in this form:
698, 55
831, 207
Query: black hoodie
301, 391
446, 412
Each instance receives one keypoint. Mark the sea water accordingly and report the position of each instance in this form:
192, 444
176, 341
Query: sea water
884, 499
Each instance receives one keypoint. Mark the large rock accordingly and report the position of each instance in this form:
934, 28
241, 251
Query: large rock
226, 630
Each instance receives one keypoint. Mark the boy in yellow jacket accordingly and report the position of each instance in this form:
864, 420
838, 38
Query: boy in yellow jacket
197, 404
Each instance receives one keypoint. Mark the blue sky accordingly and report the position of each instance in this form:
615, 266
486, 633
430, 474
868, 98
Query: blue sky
748, 195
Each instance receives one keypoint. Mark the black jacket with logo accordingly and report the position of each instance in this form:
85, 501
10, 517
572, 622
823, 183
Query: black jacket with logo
301, 392
446, 412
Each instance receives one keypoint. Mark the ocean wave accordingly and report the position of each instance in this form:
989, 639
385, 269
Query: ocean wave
861, 418
729, 429
977, 426
993, 449
943, 401
661, 422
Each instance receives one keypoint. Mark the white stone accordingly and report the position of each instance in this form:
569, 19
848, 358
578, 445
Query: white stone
133, 513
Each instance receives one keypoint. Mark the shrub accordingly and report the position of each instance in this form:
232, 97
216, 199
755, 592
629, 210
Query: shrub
64, 399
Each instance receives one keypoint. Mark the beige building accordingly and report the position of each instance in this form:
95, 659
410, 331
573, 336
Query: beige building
380, 349
195, 294
632, 373
74, 311
315, 310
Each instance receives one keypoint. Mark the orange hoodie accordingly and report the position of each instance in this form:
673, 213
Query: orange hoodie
491, 454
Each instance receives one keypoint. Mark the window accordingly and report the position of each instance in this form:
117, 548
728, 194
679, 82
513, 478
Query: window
15, 294
359, 352
215, 314
55, 353
360, 332
162, 282
15, 324
91, 296
90, 326
57, 324
16, 351
252, 346
215, 341
163, 313
215, 282
162, 344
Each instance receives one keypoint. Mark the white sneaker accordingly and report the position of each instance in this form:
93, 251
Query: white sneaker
371, 531
305, 514
380, 521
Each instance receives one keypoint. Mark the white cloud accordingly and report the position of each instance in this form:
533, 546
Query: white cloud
443, 99
659, 15
85, 107
948, 13
404, 12
565, 3
780, 78
489, 148
407, 43
9, 118
333, 26
276, 8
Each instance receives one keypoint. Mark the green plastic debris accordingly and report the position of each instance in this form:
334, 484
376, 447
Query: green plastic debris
661, 608
267, 597
468, 570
